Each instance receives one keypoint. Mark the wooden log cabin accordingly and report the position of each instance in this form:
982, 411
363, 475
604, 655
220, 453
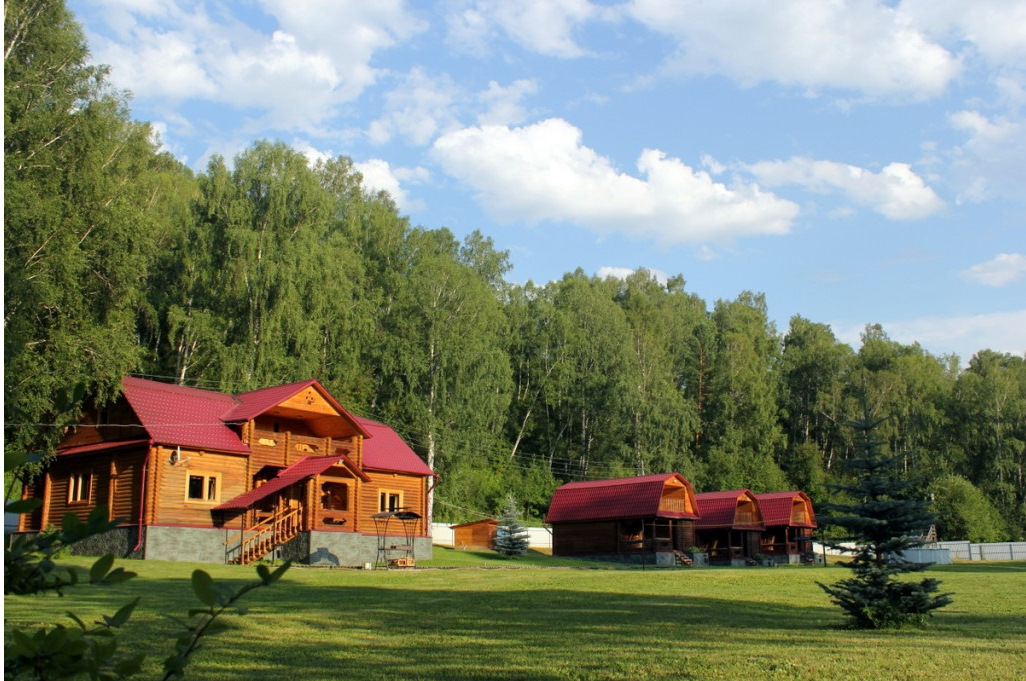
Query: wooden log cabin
790, 520
730, 527
650, 517
204, 476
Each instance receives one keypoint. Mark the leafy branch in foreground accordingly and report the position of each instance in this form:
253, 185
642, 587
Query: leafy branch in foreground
63, 652
217, 598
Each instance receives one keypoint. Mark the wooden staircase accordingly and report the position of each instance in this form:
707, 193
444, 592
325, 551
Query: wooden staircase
256, 541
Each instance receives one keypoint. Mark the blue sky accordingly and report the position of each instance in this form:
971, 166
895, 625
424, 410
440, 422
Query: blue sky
858, 162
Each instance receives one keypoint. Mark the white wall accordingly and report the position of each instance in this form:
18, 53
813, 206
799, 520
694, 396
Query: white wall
538, 537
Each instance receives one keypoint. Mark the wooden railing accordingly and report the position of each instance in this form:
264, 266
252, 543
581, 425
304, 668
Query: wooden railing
258, 540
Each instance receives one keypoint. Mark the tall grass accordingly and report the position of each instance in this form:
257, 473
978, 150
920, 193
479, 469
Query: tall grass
536, 623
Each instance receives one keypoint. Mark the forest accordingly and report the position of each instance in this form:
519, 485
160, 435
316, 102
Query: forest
265, 269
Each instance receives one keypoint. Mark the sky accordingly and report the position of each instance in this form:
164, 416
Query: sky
858, 162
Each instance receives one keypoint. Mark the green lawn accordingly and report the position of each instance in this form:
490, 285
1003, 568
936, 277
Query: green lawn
541, 623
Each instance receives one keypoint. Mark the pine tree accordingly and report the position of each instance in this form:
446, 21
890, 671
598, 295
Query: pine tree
884, 519
511, 538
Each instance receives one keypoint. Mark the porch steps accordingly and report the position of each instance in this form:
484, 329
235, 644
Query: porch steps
256, 541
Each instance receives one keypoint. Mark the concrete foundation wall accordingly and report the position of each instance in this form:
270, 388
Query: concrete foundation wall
349, 549
193, 544
346, 549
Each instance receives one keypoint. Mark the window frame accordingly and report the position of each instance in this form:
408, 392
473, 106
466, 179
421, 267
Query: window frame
384, 497
75, 485
207, 477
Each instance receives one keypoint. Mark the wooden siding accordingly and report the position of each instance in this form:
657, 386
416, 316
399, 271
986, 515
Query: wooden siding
413, 499
580, 539
93, 426
170, 505
479, 535
126, 474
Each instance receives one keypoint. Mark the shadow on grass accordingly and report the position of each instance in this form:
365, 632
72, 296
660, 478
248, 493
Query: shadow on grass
527, 629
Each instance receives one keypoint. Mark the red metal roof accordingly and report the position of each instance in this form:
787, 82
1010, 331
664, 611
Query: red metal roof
386, 451
617, 498
719, 509
100, 446
252, 404
304, 468
176, 415
776, 508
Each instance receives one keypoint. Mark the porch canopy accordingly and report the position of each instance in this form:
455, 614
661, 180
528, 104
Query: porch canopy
306, 467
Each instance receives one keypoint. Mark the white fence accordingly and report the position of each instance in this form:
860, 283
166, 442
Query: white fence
959, 550
538, 537
963, 550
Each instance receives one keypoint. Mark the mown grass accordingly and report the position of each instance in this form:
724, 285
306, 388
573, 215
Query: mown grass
537, 623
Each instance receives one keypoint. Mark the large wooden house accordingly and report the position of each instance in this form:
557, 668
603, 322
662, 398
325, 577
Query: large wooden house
204, 476
789, 520
625, 519
730, 527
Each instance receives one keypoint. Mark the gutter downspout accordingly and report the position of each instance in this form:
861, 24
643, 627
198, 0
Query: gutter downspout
142, 499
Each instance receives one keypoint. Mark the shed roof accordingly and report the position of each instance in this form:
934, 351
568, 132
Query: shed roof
483, 521
304, 468
637, 497
776, 508
719, 509
387, 452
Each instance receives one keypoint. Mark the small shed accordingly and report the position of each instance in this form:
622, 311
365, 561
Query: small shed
730, 526
477, 534
625, 518
789, 520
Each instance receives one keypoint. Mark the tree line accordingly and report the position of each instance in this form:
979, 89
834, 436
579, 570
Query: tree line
267, 269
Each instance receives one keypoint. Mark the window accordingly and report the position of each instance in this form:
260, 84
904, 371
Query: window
390, 501
79, 487
204, 487
334, 496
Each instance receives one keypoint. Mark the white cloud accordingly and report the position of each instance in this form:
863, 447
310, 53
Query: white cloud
964, 335
378, 175
503, 104
418, 109
542, 26
1001, 270
320, 54
993, 27
895, 192
864, 46
544, 172
623, 272
989, 163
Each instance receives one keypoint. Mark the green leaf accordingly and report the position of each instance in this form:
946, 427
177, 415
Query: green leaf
203, 586
100, 568
263, 572
23, 505
122, 615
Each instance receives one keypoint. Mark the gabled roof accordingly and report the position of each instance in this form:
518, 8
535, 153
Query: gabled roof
617, 498
719, 510
252, 404
304, 468
180, 416
387, 452
776, 508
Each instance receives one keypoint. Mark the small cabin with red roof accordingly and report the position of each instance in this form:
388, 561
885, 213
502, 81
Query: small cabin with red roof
625, 518
204, 476
730, 526
789, 519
